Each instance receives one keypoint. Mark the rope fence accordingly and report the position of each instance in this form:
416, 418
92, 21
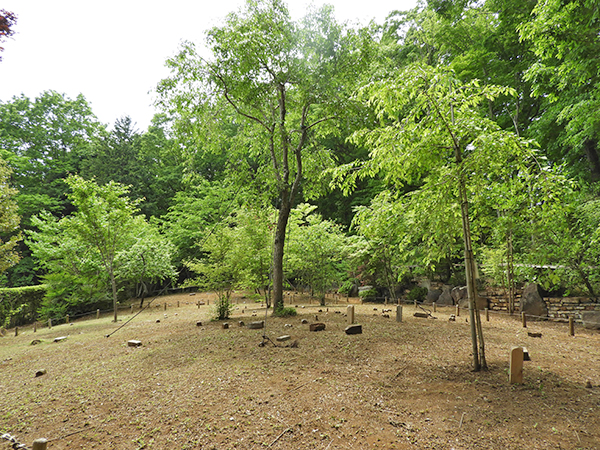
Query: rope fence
38, 444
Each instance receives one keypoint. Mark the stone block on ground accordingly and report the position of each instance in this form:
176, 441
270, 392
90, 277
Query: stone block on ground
41, 372
134, 343
304, 321
421, 315
60, 339
225, 326
591, 320
256, 325
199, 324
317, 326
353, 329
284, 338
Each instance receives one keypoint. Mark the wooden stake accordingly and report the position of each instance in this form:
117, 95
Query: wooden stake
97, 314
35, 327
68, 321
130, 309
165, 305
457, 310
524, 319
399, 313
487, 315
40, 444
434, 307
49, 323
571, 327
16, 331
516, 365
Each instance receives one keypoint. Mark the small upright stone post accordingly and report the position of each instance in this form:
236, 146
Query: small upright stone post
487, 315
350, 314
457, 314
198, 304
68, 321
415, 303
97, 314
178, 303
524, 319
131, 309
35, 326
16, 331
49, 323
399, 313
516, 365
571, 327
40, 444
434, 307
165, 306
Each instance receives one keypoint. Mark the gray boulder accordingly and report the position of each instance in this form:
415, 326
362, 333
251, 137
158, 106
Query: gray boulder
532, 302
433, 295
591, 320
482, 303
459, 293
445, 298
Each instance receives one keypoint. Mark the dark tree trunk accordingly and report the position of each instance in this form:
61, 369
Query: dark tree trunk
278, 249
591, 151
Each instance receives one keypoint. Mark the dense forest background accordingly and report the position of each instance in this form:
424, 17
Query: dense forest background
313, 154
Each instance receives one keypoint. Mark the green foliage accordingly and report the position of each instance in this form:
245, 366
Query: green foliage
287, 311
417, 293
9, 220
19, 306
89, 252
316, 251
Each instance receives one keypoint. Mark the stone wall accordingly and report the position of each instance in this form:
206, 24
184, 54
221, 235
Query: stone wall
559, 308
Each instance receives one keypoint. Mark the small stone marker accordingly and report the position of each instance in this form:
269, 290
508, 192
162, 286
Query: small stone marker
421, 315
317, 326
524, 319
386, 316
41, 372
434, 307
35, 342
256, 325
350, 314
225, 325
134, 343
16, 331
516, 366
304, 321
452, 318
199, 324
285, 337
399, 313
571, 327
97, 314
457, 311
526, 354
353, 329
534, 335
241, 323
59, 339
487, 315
157, 320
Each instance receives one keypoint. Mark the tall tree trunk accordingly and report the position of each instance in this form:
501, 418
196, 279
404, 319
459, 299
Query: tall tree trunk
591, 151
113, 283
278, 249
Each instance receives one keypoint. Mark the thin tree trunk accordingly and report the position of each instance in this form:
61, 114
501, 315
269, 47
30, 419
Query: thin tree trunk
113, 283
278, 249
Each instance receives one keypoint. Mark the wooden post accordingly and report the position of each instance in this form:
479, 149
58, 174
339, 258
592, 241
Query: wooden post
434, 307
35, 326
571, 327
97, 314
68, 321
350, 314
198, 304
524, 319
178, 303
487, 315
49, 323
386, 301
165, 305
131, 309
516, 365
40, 444
16, 331
457, 311
399, 313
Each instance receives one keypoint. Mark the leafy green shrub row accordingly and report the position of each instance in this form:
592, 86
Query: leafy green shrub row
19, 305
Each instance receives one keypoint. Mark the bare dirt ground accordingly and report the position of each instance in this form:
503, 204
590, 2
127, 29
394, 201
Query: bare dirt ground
396, 386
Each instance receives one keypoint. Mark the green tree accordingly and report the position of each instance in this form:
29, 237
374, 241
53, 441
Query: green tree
564, 36
432, 134
9, 220
316, 251
284, 80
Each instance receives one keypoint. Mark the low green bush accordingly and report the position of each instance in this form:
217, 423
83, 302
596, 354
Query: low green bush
19, 305
285, 312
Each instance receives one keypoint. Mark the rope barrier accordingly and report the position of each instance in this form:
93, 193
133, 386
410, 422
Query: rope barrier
14, 442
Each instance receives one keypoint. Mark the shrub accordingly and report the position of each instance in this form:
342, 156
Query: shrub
417, 293
285, 312
19, 305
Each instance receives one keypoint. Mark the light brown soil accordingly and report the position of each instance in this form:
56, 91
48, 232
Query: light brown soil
396, 386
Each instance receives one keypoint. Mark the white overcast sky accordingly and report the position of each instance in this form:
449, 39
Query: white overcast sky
113, 51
